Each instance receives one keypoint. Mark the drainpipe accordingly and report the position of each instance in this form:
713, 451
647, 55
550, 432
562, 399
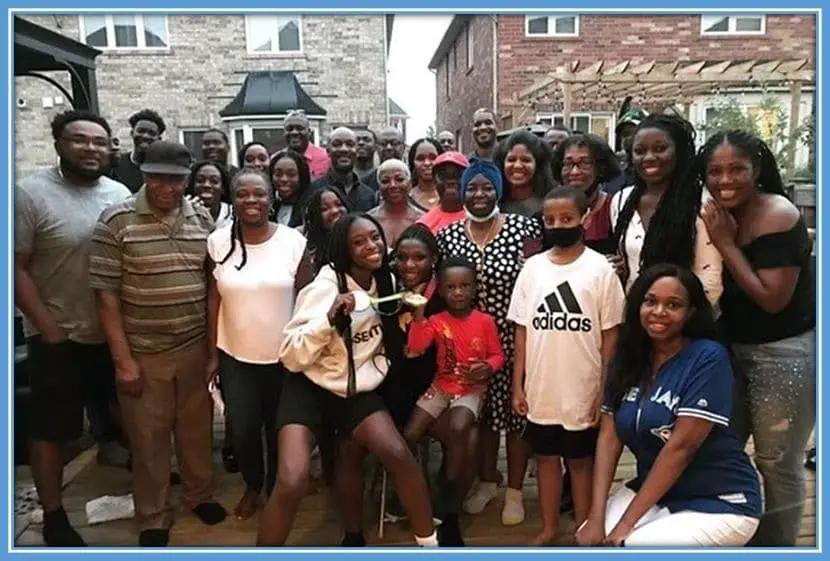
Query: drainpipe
495, 65
386, 71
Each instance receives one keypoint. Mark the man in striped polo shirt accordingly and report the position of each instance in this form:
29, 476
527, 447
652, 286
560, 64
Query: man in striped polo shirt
147, 267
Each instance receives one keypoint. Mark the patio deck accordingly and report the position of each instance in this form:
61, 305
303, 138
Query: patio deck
317, 523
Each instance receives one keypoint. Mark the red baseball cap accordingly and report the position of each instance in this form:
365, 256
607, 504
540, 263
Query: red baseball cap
451, 157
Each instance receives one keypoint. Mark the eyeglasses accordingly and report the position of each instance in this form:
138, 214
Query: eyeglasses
583, 165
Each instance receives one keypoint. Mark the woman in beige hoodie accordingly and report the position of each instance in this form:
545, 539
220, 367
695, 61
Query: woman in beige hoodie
337, 355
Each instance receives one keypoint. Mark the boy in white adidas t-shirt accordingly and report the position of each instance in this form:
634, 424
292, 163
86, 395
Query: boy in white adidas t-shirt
567, 305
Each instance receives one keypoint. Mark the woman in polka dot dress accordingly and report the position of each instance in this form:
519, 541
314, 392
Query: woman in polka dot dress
494, 243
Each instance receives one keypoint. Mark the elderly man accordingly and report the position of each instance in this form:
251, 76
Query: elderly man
147, 266
342, 175
447, 141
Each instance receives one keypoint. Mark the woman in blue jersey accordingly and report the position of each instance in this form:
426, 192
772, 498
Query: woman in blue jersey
668, 399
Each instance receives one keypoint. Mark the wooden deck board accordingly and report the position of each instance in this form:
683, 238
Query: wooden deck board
317, 522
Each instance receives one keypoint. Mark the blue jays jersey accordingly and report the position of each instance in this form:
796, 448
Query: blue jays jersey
697, 382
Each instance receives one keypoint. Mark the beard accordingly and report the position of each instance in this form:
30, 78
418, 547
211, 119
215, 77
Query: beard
82, 173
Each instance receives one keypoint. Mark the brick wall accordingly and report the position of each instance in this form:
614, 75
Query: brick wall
469, 88
342, 67
615, 38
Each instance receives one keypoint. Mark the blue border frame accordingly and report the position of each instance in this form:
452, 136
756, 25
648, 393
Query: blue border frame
424, 6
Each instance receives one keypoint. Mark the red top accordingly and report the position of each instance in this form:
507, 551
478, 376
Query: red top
458, 340
436, 218
318, 161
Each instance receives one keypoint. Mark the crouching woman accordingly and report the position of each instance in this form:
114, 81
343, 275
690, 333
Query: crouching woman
668, 399
337, 348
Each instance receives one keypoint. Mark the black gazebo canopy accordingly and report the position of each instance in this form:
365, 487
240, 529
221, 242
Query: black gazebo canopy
37, 49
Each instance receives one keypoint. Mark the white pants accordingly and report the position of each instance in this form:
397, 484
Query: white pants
660, 527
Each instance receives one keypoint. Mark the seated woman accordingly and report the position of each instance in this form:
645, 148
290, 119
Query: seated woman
337, 354
668, 399
415, 255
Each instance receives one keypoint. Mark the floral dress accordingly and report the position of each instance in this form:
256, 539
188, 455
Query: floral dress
498, 264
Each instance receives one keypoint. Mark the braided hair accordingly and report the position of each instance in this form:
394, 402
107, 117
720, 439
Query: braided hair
671, 234
303, 187
341, 262
315, 231
236, 225
751, 147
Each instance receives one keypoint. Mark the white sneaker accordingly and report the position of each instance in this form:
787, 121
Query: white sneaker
513, 512
483, 496
473, 488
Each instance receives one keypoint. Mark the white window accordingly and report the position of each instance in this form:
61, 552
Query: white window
269, 131
552, 26
192, 138
124, 31
468, 35
732, 25
599, 124
274, 34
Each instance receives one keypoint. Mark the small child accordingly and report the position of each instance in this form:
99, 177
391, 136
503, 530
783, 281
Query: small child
469, 353
567, 305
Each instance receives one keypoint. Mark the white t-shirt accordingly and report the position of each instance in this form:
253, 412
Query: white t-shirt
257, 300
564, 309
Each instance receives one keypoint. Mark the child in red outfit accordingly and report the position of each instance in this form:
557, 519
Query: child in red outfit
469, 353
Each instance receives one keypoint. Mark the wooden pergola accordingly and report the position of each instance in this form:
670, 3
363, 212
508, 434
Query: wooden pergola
657, 83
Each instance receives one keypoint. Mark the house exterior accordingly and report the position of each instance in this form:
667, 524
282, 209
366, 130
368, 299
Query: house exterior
204, 71
495, 61
397, 117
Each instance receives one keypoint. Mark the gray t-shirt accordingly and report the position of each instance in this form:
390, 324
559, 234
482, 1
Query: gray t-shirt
53, 223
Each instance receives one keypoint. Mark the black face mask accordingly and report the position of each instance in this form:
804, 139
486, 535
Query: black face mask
561, 237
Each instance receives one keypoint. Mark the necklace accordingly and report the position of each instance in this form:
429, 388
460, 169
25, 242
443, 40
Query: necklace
481, 246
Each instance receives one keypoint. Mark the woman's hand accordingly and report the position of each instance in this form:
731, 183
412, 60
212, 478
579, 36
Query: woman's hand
618, 535
591, 533
343, 303
720, 224
618, 262
194, 200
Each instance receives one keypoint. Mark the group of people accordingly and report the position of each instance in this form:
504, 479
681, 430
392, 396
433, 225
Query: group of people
349, 307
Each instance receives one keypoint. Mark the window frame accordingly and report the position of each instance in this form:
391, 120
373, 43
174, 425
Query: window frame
706, 20
552, 26
247, 125
278, 17
109, 26
196, 130
591, 115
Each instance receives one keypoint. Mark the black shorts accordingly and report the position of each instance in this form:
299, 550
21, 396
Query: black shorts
555, 440
302, 402
65, 377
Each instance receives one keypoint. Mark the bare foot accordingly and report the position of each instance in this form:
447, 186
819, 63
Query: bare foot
247, 505
543, 538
